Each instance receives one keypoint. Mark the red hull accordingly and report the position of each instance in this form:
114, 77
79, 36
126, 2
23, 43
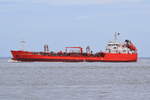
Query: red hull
107, 57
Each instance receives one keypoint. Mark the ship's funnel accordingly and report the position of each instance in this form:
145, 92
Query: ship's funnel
130, 45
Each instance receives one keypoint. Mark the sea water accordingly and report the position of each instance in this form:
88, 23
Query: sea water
75, 81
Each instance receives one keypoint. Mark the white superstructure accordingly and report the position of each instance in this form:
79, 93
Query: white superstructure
117, 47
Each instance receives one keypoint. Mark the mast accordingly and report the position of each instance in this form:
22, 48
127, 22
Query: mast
23, 45
116, 36
46, 49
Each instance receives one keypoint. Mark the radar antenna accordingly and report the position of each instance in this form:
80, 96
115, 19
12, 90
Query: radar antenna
116, 35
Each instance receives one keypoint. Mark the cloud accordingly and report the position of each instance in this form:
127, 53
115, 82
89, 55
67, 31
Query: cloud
74, 2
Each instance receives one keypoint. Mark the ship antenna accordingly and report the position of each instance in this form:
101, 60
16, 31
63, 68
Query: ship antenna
23, 45
116, 35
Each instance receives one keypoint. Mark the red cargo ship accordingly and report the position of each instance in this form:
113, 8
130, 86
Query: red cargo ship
115, 52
